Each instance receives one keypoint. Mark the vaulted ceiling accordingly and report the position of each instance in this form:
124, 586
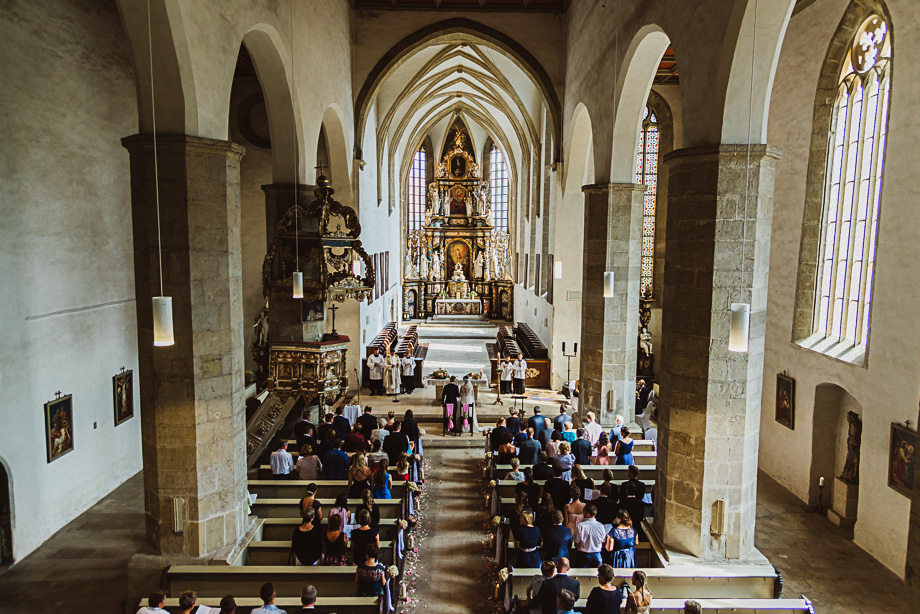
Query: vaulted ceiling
556, 6
495, 97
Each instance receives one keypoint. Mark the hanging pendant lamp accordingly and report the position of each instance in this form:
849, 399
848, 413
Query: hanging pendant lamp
608, 284
297, 281
162, 305
739, 326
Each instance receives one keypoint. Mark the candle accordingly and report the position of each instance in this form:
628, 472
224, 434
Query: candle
821, 481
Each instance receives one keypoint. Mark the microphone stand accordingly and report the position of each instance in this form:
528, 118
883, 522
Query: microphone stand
358, 379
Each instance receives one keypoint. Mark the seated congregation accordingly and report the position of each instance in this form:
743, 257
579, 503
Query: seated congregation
571, 520
334, 523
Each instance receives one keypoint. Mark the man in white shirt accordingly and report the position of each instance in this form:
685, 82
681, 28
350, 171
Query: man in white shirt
375, 365
281, 461
407, 364
589, 539
267, 593
592, 428
520, 374
507, 372
615, 431
155, 603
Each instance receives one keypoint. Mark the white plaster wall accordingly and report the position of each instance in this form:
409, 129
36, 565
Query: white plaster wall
67, 303
886, 386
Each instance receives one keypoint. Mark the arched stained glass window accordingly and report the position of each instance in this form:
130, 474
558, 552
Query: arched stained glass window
498, 180
647, 174
856, 154
417, 190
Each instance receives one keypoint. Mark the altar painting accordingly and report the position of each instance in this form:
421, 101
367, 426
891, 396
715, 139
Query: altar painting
458, 251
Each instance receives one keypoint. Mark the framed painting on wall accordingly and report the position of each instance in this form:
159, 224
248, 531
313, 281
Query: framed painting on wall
59, 427
785, 400
901, 458
123, 389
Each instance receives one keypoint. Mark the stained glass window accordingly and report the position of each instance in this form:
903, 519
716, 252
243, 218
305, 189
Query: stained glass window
417, 190
498, 180
853, 188
647, 174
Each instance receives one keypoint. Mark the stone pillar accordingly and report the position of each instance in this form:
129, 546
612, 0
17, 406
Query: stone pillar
612, 242
192, 411
710, 415
285, 316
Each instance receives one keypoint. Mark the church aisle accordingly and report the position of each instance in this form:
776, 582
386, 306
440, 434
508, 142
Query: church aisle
449, 576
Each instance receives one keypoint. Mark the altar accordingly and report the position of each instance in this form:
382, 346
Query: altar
458, 307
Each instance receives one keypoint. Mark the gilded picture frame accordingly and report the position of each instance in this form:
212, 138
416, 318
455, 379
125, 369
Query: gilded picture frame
785, 401
59, 427
901, 457
123, 396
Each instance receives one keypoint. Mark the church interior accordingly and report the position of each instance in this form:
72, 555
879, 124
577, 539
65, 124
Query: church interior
691, 219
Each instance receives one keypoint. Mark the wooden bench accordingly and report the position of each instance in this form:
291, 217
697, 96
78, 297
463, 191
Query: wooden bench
676, 582
643, 553
290, 508
324, 605
506, 489
264, 472
326, 489
216, 581
281, 529
277, 552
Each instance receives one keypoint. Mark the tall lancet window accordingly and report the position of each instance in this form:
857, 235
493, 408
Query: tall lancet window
853, 187
417, 190
498, 180
647, 174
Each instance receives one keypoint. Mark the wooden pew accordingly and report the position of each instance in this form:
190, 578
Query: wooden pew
643, 553
677, 581
281, 529
265, 471
506, 488
324, 605
276, 552
214, 581
326, 489
290, 508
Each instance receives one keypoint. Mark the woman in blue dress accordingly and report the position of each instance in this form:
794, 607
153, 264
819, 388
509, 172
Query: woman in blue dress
528, 542
382, 481
621, 542
624, 448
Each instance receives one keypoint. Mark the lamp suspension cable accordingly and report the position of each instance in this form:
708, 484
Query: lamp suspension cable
740, 322
297, 280
162, 305
608, 275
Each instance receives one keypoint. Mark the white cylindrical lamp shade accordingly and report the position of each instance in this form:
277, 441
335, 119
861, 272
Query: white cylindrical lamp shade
162, 321
356, 267
298, 284
608, 284
557, 271
739, 327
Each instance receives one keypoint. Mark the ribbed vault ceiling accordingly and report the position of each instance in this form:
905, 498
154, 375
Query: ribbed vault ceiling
495, 97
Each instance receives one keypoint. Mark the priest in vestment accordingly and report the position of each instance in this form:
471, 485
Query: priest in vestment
375, 365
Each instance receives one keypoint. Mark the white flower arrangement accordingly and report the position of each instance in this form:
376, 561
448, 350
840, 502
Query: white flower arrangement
492, 483
392, 571
496, 521
503, 574
403, 524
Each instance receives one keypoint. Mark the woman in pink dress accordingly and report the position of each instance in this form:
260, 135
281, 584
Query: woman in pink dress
575, 510
603, 450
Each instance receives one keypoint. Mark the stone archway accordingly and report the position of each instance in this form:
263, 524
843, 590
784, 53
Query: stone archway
829, 450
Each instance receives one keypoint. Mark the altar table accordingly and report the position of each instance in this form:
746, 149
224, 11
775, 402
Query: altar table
458, 307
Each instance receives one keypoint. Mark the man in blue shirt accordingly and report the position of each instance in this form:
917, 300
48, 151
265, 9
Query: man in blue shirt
565, 602
335, 463
561, 419
267, 593
340, 423
536, 421
529, 448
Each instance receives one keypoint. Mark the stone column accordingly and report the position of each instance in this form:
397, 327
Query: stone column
612, 242
710, 415
192, 412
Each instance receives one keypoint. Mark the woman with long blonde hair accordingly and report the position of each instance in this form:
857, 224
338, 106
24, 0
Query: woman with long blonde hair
359, 477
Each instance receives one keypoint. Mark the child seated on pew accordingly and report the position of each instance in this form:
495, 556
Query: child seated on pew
370, 575
340, 509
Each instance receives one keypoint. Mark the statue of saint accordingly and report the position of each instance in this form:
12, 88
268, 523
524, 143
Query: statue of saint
645, 341
850, 473
409, 271
261, 327
485, 199
423, 259
477, 266
428, 216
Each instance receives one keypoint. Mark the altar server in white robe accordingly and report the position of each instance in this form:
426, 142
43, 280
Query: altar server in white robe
375, 365
520, 374
391, 373
507, 371
407, 363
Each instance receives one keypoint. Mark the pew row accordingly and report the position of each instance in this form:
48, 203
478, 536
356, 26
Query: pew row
277, 552
281, 529
290, 508
325, 489
676, 582
506, 488
324, 605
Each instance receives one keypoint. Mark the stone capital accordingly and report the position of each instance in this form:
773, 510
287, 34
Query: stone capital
602, 188
172, 143
716, 152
